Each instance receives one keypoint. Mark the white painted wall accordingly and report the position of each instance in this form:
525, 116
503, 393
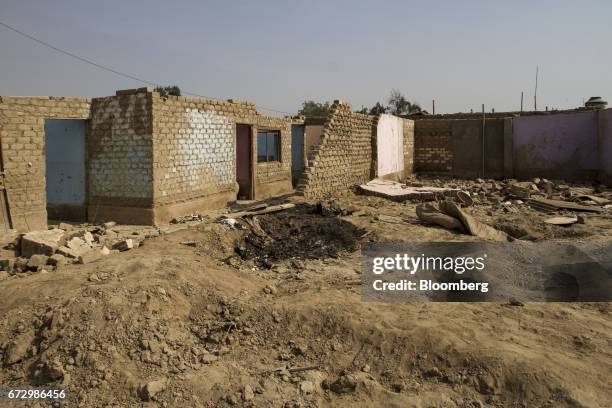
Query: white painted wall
390, 144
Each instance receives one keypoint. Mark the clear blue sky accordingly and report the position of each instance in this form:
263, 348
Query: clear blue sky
279, 53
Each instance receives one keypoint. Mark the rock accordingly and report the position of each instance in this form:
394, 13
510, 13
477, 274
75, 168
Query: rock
124, 245
57, 260
41, 242
65, 226
90, 256
307, 387
152, 388
105, 251
37, 261
4, 275
109, 224
247, 393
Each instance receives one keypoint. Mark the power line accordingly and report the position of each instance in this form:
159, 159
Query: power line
114, 71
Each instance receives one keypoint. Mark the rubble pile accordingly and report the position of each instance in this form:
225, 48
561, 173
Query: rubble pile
47, 250
541, 194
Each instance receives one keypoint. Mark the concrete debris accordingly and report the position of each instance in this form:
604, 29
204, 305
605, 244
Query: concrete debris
401, 192
57, 260
539, 202
124, 245
37, 261
42, 242
448, 211
561, 220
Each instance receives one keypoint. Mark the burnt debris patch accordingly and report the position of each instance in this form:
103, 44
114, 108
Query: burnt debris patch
303, 232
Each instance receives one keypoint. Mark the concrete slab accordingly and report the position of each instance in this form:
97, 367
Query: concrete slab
400, 192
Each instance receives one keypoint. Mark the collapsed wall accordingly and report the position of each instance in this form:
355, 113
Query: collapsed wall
343, 157
355, 148
23, 203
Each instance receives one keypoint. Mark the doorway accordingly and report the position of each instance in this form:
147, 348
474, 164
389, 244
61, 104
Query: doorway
65, 169
297, 152
244, 161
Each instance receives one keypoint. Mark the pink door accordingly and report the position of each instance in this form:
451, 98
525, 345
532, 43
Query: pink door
243, 161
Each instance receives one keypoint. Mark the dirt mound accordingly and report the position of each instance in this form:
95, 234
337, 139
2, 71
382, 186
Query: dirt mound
303, 232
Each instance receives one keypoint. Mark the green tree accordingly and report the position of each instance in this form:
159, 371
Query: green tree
378, 109
363, 110
164, 91
314, 109
399, 105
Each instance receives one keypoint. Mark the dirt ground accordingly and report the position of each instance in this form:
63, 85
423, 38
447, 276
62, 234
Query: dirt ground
271, 316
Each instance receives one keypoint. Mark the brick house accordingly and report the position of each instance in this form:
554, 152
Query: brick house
134, 157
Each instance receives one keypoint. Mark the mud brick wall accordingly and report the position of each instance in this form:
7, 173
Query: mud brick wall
408, 147
22, 138
194, 152
432, 146
343, 158
120, 153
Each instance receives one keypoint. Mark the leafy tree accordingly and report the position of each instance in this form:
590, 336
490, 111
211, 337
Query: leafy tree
164, 91
316, 109
363, 110
378, 109
399, 105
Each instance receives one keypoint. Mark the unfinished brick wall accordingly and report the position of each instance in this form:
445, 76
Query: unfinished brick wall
408, 147
343, 158
194, 154
22, 136
120, 158
432, 146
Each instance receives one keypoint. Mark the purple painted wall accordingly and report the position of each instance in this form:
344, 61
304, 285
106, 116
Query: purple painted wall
605, 146
556, 146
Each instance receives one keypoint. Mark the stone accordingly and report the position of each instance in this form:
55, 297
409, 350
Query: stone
247, 393
109, 224
91, 256
124, 245
41, 242
105, 251
152, 388
36, 261
4, 275
57, 260
65, 226
307, 387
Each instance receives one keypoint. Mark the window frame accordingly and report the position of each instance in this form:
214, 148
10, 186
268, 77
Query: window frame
278, 145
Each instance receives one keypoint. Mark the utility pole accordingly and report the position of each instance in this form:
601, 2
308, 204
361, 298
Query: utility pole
535, 93
433, 106
521, 101
483, 140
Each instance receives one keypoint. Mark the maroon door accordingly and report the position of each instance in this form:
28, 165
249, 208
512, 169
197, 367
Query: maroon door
243, 161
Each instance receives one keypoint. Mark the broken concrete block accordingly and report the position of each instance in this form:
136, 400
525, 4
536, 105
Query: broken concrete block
109, 224
105, 251
90, 256
36, 261
124, 245
65, 226
152, 388
57, 260
41, 242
